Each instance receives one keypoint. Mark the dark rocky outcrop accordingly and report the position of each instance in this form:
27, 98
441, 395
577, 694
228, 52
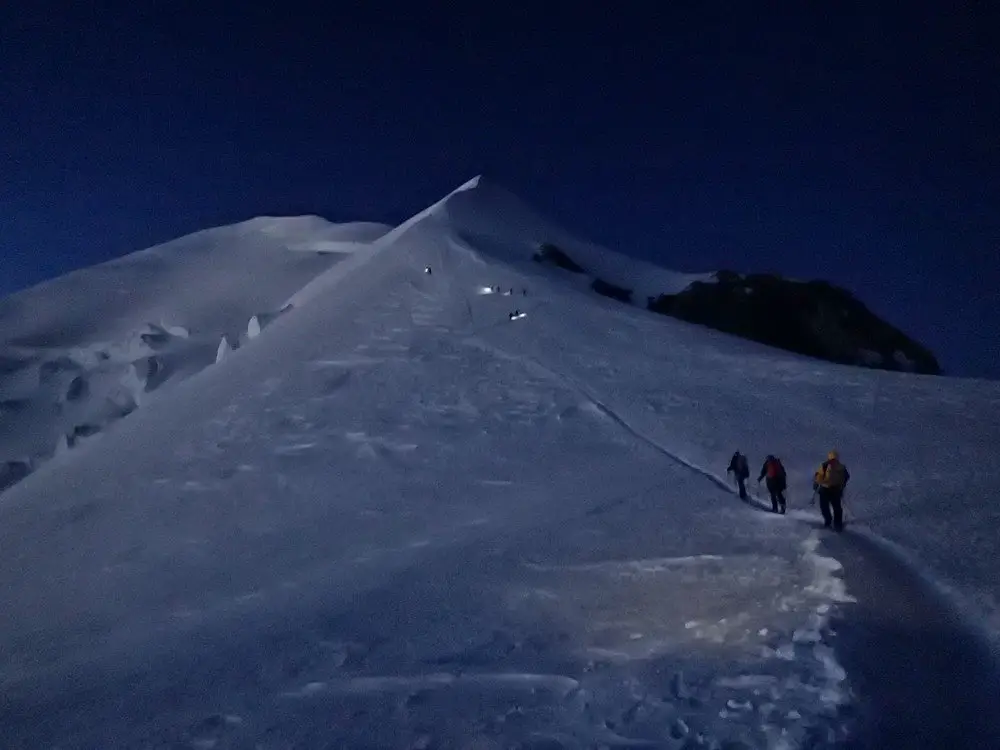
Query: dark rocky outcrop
82, 431
813, 318
155, 337
549, 253
12, 472
78, 388
554, 256
613, 291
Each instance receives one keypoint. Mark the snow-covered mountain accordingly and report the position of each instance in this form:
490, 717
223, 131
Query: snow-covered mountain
85, 349
401, 516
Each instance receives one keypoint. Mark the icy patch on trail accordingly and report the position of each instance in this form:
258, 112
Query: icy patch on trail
754, 664
827, 590
825, 584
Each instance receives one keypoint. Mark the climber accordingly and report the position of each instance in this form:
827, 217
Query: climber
776, 482
740, 469
830, 480
427, 270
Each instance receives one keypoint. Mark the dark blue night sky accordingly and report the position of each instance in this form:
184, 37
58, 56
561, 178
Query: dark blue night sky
854, 144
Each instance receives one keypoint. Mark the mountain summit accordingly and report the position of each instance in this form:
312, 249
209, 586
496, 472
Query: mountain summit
448, 485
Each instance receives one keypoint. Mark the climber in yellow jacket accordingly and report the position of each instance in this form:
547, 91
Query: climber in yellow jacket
830, 480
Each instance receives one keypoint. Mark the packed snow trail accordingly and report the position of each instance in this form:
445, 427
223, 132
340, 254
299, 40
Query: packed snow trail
614, 416
921, 676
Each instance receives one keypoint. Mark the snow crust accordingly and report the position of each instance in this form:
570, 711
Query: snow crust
397, 518
79, 352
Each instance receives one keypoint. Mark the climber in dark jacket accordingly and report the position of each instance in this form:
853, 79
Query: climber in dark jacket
740, 468
777, 482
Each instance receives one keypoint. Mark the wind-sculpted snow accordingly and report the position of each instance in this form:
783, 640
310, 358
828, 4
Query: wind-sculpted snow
89, 347
398, 518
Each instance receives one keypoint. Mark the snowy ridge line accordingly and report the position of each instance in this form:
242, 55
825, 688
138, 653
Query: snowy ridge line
465, 249
627, 426
323, 283
608, 412
624, 424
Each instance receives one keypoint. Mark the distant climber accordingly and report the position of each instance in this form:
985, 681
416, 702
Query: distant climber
777, 482
830, 480
740, 468
427, 270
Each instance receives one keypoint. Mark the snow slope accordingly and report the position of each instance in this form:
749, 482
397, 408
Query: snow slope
397, 518
81, 350
494, 221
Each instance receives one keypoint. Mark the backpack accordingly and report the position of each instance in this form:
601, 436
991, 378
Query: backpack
832, 474
742, 467
775, 470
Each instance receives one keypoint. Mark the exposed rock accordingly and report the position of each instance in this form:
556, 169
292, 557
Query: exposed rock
85, 430
813, 318
549, 253
155, 336
613, 291
150, 371
12, 472
77, 389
